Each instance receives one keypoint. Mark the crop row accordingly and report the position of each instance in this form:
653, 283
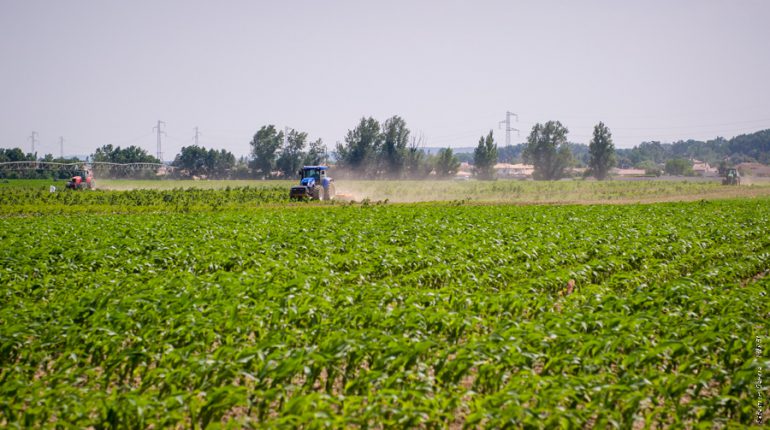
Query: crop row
416, 315
38, 200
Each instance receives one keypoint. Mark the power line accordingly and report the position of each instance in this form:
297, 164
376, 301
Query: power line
33, 139
197, 133
708, 126
673, 127
508, 128
286, 136
177, 139
743, 110
158, 128
461, 134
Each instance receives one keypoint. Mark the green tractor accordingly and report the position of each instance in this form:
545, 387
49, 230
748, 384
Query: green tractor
314, 184
732, 177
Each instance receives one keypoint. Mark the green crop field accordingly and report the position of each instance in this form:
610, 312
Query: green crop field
501, 191
111, 196
227, 307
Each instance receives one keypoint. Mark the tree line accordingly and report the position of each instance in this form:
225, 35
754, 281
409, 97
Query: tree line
548, 151
657, 157
752, 147
389, 150
371, 149
282, 153
16, 154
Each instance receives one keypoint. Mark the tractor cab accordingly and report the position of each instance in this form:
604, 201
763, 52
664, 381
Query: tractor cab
312, 173
314, 184
732, 177
81, 179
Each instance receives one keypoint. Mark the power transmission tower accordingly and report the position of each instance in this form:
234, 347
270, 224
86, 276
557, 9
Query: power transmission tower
160, 132
195, 138
508, 128
33, 140
61, 147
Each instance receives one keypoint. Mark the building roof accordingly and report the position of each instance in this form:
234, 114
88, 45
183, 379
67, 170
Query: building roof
629, 172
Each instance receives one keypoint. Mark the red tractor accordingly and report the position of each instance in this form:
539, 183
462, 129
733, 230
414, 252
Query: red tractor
82, 179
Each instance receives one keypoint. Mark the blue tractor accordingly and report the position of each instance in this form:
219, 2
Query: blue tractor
314, 184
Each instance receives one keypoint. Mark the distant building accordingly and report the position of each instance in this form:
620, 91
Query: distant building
463, 174
628, 172
519, 170
465, 171
701, 168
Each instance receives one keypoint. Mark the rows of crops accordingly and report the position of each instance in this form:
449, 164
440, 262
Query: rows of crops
386, 315
40, 200
153, 196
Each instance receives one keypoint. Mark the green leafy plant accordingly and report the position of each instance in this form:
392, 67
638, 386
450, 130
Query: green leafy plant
420, 315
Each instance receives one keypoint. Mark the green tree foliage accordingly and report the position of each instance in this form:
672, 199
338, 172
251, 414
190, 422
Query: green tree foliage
446, 163
241, 169
292, 154
580, 155
679, 167
514, 154
547, 149
746, 147
467, 157
316, 153
650, 168
417, 163
198, 161
707, 151
131, 154
264, 147
192, 159
222, 161
284, 152
53, 173
485, 157
128, 155
510, 153
648, 151
395, 138
390, 151
722, 168
602, 152
14, 154
362, 146
754, 145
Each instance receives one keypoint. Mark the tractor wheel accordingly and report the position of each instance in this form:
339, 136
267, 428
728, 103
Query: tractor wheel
316, 193
330, 192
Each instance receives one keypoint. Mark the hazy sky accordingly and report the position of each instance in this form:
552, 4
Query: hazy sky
103, 72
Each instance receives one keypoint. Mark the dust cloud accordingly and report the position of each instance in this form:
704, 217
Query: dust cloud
406, 191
